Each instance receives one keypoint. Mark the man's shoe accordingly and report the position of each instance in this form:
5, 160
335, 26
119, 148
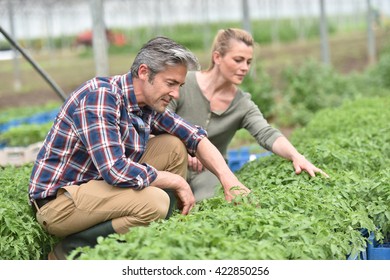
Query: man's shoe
58, 253
83, 238
52, 256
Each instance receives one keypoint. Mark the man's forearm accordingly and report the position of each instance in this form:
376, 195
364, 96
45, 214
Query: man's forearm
211, 158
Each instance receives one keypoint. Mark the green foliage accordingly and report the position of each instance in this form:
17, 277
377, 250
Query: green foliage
26, 134
259, 85
286, 216
27, 111
287, 30
21, 237
315, 86
355, 141
381, 72
310, 88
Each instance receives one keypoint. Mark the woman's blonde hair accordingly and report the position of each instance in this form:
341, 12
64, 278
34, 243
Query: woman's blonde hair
222, 40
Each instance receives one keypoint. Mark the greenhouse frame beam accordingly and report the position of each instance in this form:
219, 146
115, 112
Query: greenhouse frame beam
44, 75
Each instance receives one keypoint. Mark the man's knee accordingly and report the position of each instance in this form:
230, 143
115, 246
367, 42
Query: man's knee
168, 153
158, 204
162, 204
172, 143
152, 206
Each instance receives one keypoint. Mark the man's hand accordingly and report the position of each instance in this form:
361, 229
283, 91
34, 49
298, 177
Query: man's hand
186, 200
235, 190
168, 180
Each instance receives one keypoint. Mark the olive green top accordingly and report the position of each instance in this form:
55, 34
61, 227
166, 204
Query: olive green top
221, 126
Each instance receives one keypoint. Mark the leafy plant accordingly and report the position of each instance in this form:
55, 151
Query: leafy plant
286, 216
28, 111
26, 134
21, 237
310, 88
259, 85
381, 72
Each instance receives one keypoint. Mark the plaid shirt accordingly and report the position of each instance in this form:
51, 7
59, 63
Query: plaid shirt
100, 133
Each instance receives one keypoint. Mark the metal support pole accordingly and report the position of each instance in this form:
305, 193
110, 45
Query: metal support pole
17, 79
324, 34
246, 21
44, 75
370, 34
99, 38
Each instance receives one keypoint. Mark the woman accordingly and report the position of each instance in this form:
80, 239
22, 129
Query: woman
213, 100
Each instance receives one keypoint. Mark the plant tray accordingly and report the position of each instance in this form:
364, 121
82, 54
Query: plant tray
377, 251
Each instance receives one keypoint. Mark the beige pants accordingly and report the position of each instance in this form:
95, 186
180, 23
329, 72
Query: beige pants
79, 207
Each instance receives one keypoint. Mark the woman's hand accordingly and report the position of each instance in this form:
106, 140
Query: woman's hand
194, 164
301, 163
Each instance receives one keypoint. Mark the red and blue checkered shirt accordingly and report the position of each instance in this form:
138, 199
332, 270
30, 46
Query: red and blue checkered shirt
100, 133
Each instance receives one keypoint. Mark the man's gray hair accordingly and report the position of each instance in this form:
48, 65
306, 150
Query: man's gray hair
160, 52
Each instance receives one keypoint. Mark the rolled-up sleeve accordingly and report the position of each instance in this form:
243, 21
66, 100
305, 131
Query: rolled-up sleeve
189, 134
258, 126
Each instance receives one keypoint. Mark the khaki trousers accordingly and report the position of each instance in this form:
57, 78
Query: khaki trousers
79, 207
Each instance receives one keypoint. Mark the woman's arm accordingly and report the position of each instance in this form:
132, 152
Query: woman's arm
282, 147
